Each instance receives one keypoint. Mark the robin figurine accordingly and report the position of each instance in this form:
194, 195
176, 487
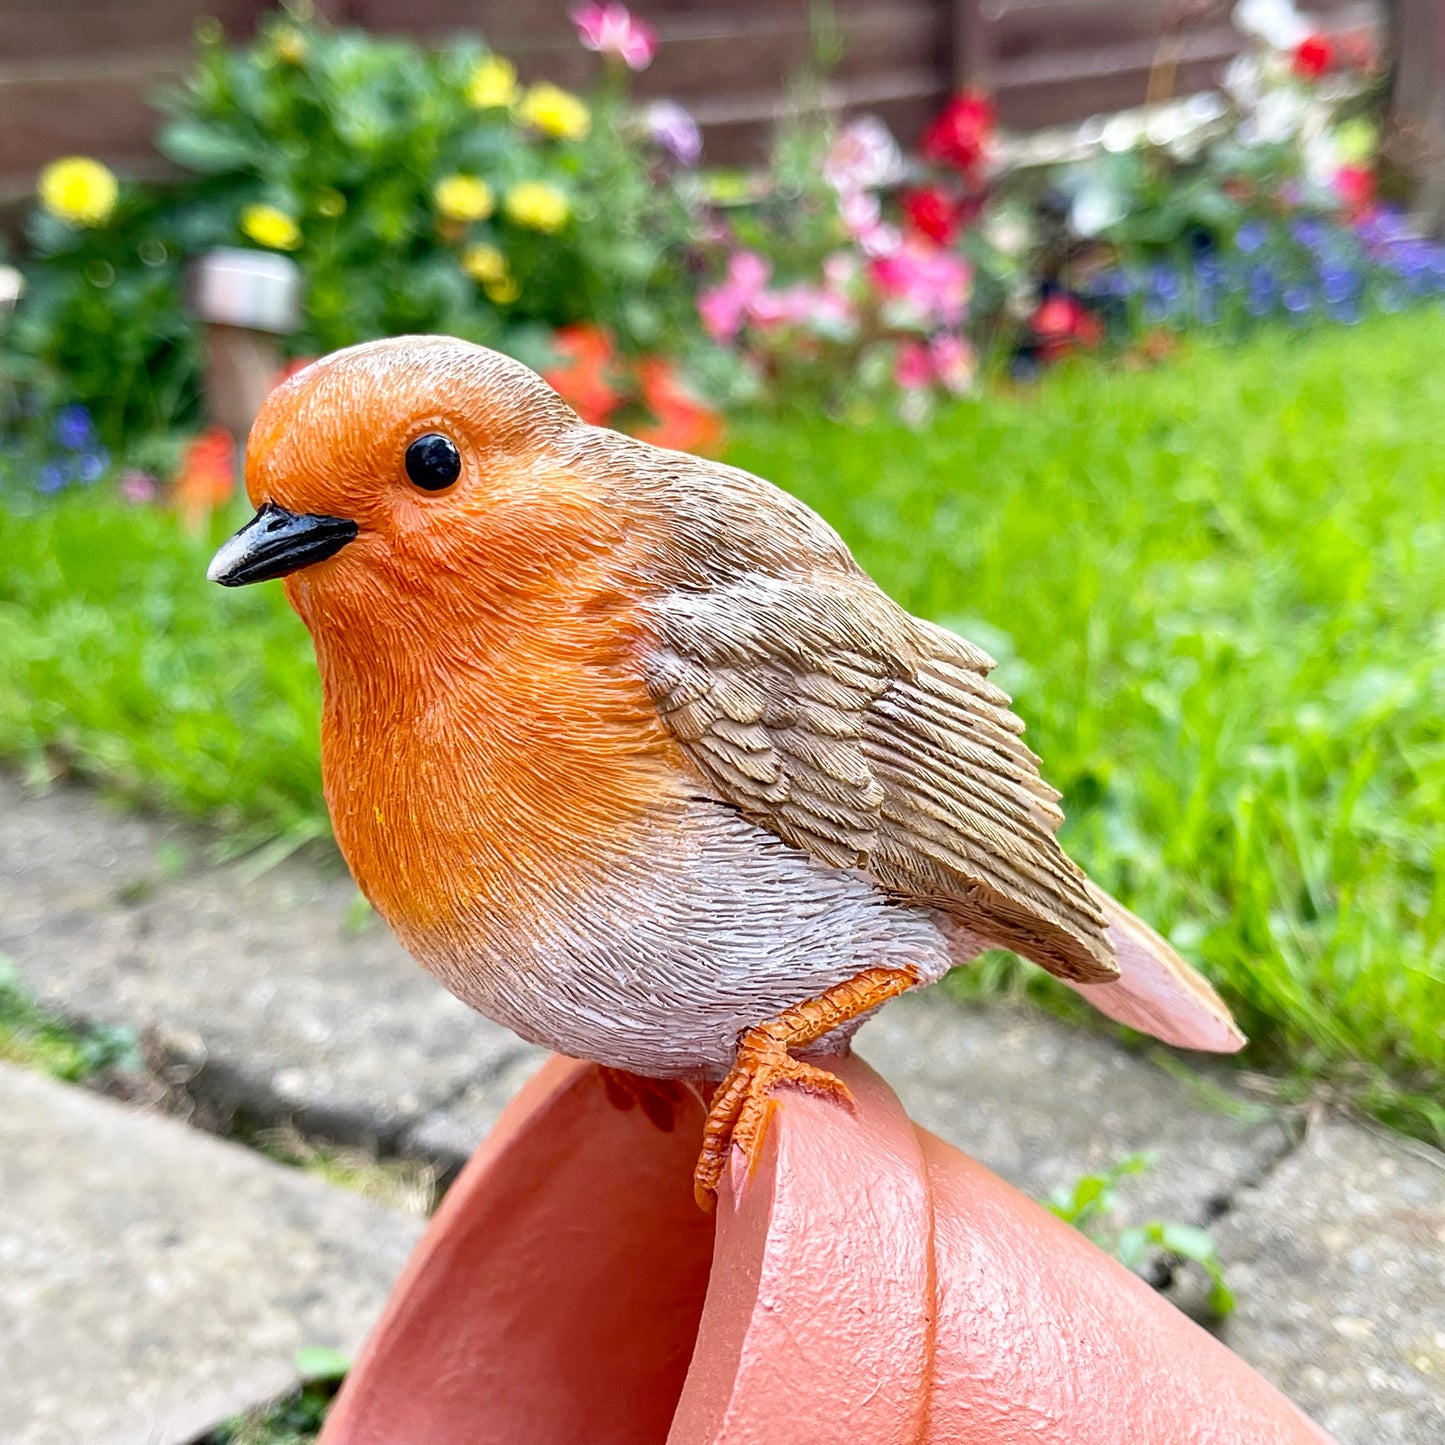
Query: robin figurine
630, 752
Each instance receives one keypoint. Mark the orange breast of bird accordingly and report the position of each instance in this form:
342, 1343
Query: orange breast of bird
488, 746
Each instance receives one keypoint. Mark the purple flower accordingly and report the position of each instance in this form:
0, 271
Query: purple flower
1297, 300
1251, 236
675, 131
52, 478
73, 427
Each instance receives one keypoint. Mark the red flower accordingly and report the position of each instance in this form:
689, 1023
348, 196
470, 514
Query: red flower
683, 423
1313, 56
207, 476
1062, 322
1355, 186
961, 133
583, 379
931, 213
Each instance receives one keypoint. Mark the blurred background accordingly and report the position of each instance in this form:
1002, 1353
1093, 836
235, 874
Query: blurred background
1108, 334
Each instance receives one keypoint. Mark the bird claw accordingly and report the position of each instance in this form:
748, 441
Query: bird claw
743, 1105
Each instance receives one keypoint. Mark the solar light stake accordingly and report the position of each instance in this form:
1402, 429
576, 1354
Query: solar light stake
247, 300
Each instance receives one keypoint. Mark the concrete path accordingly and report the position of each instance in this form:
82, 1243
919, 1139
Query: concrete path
278, 1008
155, 1280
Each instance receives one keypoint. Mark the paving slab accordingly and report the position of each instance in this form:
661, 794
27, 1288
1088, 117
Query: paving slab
285, 1009
1338, 1262
155, 1280
1040, 1103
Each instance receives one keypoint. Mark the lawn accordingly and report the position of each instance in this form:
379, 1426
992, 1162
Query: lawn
1214, 589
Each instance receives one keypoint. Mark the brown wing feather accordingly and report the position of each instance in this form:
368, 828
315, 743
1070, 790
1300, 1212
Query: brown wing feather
875, 741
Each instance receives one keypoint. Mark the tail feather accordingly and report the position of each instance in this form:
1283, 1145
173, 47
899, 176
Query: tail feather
1156, 991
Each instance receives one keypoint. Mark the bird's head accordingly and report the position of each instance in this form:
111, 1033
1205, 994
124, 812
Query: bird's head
389, 473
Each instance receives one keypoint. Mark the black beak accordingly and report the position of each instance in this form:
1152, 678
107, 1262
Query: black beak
275, 542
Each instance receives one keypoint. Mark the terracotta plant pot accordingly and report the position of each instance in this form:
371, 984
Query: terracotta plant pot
869, 1285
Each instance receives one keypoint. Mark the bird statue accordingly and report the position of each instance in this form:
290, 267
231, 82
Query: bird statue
629, 751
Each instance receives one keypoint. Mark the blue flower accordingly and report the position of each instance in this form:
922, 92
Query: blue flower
73, 427
90, 466
52, 478
1251, 236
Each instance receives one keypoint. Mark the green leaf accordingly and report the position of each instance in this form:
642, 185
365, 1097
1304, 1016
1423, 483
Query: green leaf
318, 1364
204, 148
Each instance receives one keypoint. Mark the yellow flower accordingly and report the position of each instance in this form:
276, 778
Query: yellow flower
555, 112
484, 263
463, 198
289, 45
502, 292
80, 191
330, 203
493, 83
268, 226
537, 206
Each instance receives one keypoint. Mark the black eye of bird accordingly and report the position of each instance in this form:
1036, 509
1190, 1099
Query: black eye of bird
433, 462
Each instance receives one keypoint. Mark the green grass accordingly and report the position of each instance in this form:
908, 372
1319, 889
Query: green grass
38, 1039
1217, 591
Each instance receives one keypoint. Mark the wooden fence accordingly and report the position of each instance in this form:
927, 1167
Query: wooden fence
75, 74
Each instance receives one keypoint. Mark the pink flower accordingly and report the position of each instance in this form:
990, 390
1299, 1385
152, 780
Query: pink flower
612, 30
913, 369
952, 359
722, 308
931, 283
139, 487
675, 131
864, 156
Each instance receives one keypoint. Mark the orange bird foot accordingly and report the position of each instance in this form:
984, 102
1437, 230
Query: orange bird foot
743, 1103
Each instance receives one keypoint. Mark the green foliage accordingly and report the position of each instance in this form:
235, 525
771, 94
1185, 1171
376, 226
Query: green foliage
31, 1036
1090, 1205
297, 1419
1214, 590
339, 141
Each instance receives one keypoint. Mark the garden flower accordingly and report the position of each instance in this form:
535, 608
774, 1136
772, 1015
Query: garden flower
1060, 322
674, 130
503, 291
932, 284
137, 487
1312, 57
863, 157
931, 213
613, 30
1276, 22
683, 422
538, 206
583, 377
207, 476
79, 191
723, 308
953, 363
962, 133
913, 368
484, 263
555, 112
463, 198
493, 83
1355, 186
288, 44
268, 226
73, 427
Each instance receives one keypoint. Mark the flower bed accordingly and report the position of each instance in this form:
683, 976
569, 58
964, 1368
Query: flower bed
429, 190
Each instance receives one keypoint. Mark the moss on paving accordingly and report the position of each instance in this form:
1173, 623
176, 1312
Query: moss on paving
1214, 589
